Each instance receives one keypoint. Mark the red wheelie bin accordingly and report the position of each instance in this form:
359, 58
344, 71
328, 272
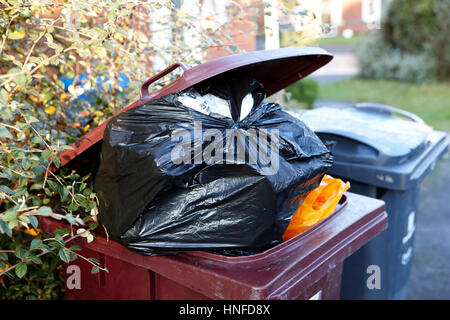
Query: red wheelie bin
307, 266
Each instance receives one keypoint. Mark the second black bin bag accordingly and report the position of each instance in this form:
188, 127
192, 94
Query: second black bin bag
161, 192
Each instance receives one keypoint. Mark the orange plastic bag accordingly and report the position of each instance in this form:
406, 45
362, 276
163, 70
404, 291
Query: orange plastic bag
318, 204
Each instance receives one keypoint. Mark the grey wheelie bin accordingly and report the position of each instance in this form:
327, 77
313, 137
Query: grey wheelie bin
385, 153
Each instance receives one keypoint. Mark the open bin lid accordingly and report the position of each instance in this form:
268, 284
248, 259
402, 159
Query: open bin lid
275, 69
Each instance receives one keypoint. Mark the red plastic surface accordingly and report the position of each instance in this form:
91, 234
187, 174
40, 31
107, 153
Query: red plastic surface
305, 266
275, 69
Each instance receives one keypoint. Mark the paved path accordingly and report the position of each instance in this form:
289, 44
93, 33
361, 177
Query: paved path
430, 277
344, 65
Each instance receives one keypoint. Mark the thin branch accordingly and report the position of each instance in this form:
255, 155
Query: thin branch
14, 171
46, 174
7, 196
6, 33
11, 127
37, 40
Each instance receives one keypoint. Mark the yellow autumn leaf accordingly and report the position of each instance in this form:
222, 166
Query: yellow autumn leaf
6, 267
34, 99
118, 36
50, 110
32, 232
86, 128
16, 35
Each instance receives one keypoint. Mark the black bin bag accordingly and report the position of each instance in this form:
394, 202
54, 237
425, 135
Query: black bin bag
193, 170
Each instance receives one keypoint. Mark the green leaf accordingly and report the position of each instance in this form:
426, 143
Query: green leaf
4, 228
26, 163
54, 186
20, 80
24, 219
60, 239
36, 186
7, 190
85, 203
73, 207
39, 170
20, 253
21, 269
10, 215
64, 254
63, 193
95, 270
34, 221
94, 260
75, 247
48, 192
73, 256
70, 219
45, 155
30, 296
13, 223
87, 191
54, 244
36, 243
3, 256
46, 247
44, 211
93, 225
56, 161
36, 259
4, 133
61, 231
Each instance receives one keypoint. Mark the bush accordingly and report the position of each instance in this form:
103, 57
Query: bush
95, 44
43, 281
439, 42
413, 33
305, 91
379, 60
408, 24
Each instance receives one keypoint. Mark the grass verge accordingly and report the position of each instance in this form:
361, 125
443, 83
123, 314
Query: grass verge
431, 102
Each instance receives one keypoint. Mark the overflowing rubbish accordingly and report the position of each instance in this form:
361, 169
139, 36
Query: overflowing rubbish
211, 167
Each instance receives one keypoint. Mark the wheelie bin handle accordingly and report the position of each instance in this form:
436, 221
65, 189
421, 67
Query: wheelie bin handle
144, 87
382, 108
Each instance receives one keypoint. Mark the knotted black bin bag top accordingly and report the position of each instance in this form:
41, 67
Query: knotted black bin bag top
177, 176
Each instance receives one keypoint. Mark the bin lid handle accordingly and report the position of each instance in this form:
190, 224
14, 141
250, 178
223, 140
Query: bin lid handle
382, 108
144, 87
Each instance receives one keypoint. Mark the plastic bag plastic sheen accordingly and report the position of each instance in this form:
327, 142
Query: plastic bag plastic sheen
173, 179
317, 205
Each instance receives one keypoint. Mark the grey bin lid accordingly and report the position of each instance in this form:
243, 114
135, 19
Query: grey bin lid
372, 144
366, 136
